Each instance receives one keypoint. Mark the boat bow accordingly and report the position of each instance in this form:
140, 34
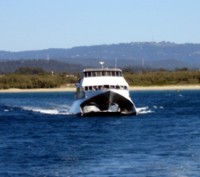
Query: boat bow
108, 102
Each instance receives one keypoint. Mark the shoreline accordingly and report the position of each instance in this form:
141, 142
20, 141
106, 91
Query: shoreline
132, 88
16, 90
166, 87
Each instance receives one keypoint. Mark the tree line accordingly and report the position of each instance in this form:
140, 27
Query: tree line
163, 77
27, 78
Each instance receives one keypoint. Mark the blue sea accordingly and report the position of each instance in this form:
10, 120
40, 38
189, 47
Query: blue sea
39, 138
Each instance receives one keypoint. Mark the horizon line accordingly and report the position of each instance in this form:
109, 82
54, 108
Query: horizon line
103, 44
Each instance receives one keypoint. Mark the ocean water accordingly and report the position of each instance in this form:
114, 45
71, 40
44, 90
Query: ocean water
39, 138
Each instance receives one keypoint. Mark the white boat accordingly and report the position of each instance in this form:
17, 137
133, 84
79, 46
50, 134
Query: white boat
102, 91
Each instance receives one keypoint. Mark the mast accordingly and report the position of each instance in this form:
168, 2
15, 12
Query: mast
101, 63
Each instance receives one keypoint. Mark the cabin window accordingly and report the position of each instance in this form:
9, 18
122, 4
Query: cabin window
87, 74
100, 87
118, 73
106, 86
109, 73
102, 73
93, 73
98, 73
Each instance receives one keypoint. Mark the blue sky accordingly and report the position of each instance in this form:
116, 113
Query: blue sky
42, 24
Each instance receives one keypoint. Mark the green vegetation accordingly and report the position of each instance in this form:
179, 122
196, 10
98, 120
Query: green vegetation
161, 78
27, 78
30, 71
33, 81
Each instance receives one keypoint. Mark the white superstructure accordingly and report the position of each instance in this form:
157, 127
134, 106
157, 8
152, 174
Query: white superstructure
102, 91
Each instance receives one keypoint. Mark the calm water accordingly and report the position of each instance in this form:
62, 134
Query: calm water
38, 138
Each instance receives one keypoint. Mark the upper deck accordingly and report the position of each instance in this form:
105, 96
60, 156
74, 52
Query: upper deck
99, 72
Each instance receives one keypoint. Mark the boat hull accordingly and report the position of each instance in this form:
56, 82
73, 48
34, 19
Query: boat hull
105, 104
104, 114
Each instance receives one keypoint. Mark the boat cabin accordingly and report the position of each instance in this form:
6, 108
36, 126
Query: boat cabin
102, 72
95, 83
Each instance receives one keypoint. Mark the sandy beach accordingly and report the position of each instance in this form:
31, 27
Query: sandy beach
166, 87
16, 90
132, 88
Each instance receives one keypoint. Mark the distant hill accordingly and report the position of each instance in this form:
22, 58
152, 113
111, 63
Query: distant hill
144, 54
48, 65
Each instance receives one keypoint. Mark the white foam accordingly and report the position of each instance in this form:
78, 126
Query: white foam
144, 110
157, 107
48, 111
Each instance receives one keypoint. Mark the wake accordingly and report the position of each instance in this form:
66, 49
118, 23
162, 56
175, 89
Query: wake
62, 110
144, 110
147, 110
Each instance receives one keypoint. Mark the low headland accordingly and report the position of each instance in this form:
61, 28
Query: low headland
38, 80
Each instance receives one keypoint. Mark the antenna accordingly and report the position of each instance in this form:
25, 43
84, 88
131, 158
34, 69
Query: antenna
101, 63
115, 63
48, 58
143, 62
